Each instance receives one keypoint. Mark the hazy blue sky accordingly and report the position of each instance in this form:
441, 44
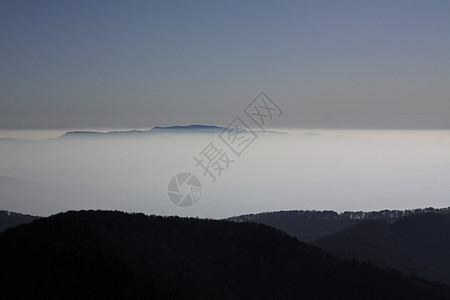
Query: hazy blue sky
125, 64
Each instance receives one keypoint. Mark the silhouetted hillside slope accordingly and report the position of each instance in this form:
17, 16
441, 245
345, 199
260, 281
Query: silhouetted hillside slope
10, 219
417, 244
104, 255
309, 225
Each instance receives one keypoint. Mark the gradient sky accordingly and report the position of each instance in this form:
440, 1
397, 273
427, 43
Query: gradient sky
139, 64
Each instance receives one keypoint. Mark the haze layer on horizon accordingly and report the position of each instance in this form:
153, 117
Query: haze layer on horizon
328, 64
276, 172
391, 134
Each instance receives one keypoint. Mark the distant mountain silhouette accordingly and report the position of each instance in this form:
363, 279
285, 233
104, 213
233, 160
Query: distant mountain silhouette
198, 129
113, 255
10, 219
187, 129
311, 225
417, 244
155, 130
171, 129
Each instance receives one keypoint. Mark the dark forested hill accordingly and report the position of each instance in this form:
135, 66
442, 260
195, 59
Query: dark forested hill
417, 244
309, 225
10, 219
104, 255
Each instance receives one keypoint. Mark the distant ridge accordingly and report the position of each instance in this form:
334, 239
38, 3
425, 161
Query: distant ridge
11, 219
72, 134
180, 129
154, 130
413, 241
416, 244
189, 128
310, 225
355, 215
195, 128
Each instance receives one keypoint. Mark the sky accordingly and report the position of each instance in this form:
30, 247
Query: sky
139, 64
